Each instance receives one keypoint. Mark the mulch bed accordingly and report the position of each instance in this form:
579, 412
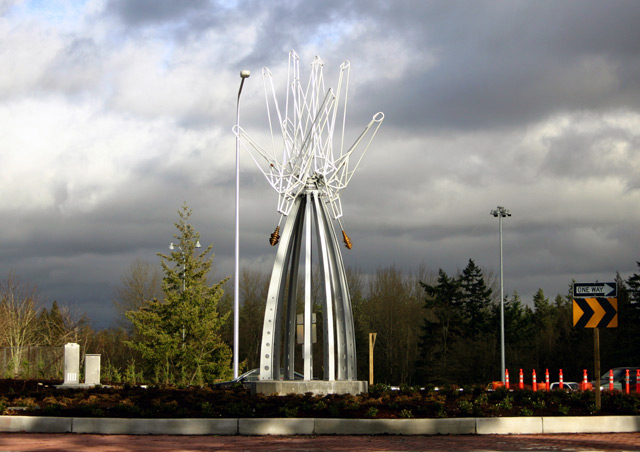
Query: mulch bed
41, 398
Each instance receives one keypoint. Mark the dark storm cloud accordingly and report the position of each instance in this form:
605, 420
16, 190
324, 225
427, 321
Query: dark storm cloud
293, 25
152, 12
473, 65
594, 153
502, 64
179, 20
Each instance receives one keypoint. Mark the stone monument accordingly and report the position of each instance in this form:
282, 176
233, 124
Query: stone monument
308, 168
91, 369
71, 364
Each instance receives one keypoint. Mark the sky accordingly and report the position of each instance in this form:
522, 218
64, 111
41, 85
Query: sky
113, 113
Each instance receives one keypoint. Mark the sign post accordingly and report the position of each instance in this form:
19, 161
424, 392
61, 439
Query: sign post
595, 306
372, 343
596, 365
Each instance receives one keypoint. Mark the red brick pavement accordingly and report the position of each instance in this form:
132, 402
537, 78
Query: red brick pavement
28, 442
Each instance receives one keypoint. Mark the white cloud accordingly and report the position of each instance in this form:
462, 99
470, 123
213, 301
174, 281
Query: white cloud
26, 53
112, 116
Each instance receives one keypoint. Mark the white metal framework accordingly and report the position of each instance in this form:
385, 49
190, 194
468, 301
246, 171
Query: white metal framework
308, 169
312, 115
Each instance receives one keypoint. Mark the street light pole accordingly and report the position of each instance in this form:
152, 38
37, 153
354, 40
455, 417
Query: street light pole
500, 213
236, 286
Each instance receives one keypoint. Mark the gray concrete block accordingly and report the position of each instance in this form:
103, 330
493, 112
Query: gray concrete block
291, 426
395, 426
276, 426
508, 425
35, 424
460, 426
375, 427
114, 426
591, 424
92, 369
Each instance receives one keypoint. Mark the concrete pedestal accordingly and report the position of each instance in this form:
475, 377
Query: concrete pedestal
316, 387
71, 364
92, 369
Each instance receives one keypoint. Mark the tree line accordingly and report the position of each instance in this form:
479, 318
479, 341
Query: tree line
175, 325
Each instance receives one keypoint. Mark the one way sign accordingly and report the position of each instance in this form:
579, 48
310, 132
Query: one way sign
586, 290
596, 312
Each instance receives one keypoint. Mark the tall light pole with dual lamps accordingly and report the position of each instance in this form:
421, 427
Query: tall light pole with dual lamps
500, 213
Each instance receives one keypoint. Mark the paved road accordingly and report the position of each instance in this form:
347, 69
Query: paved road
41, 442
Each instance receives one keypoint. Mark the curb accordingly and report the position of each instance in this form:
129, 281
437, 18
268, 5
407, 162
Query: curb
310, 426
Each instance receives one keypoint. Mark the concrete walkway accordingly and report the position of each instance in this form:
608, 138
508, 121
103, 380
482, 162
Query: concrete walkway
42, 442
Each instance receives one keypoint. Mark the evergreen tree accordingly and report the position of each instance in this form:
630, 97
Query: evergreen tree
51, 326
475, 297
627, 352
179, 338
633, 283
518, 332
442, 325
545, 331
562, 318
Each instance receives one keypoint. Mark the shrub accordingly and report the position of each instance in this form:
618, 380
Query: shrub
482, 399
408, 389
526, 411
539, 404
505, 404
289, 411
208, 409
405, 413
465, 407
372, 412
378, 390
319, 406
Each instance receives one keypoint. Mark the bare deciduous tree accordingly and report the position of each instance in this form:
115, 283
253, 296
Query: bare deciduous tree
254, 286
394, 312
18, 309
141, 282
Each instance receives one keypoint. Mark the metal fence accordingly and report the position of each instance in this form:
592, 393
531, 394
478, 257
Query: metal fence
32, 362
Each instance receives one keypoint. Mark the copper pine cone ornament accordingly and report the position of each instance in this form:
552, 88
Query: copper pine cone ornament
347, 240
275, 237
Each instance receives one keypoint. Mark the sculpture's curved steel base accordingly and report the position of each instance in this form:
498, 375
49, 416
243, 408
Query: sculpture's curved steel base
309, 213
315, 387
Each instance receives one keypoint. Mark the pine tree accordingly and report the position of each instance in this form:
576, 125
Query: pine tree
180, 336
628, 320
476, 299
441, 327
518, 331
633, 283
546, 333
51, 326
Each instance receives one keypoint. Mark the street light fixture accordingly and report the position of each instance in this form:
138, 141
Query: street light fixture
500, 213
184, 273
236, 286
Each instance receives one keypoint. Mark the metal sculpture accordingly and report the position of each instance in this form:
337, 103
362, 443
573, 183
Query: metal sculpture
308, 170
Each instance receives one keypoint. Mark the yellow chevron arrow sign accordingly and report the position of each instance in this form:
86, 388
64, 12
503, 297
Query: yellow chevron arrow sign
598, 312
